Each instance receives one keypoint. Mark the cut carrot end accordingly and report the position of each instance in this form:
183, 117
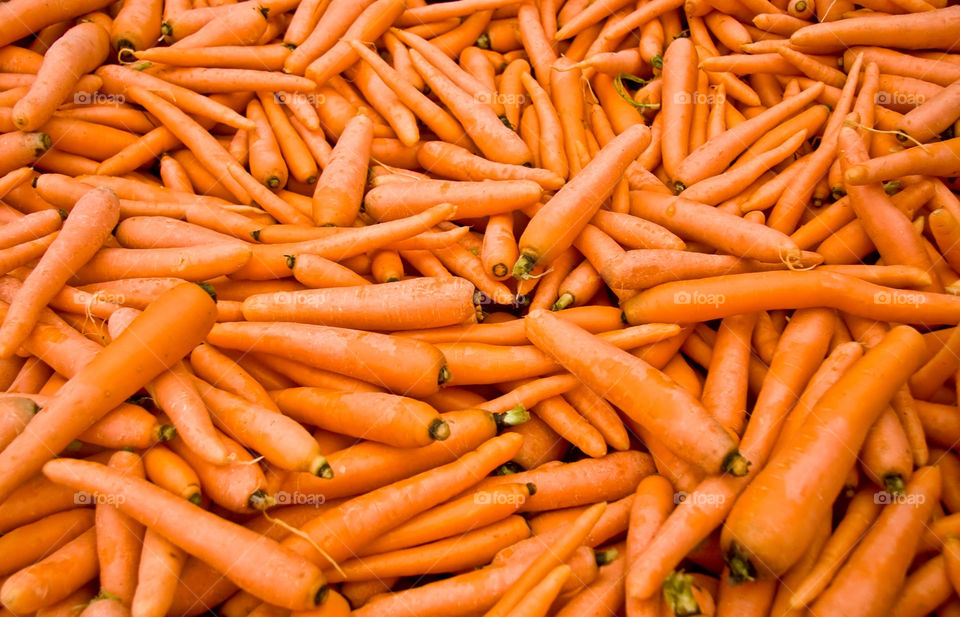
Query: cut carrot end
260, 500
439, 429
444, 376
513, 417
893, 483
166, 432
735, 464
320, 468
195, 498
606, 557
499, 270
525, 263
741, 569
531, 488
508, 469
207, 287
678, 594
321, 595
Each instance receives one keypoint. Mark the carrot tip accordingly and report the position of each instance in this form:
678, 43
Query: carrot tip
679, 187
207, 287
531, 488
741, 569
444, 375
439, 429
291, 261
166, 432
195, 498
321, 595
255, 234
735, 464
260, 500
678, 594
513, 417
499, 270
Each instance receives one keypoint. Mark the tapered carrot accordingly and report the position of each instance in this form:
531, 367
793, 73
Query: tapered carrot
473, 199
295, 152
937, 159
451, 161
80, 50
304, 585
715, 449
29, 543
238, 27
679, 84
332, 24
725, 389
557, 224
137, 25
222, 372
169, 471
263, 57
194, 263
53, 578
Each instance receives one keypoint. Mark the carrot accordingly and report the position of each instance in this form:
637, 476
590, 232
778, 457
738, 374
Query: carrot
221, 372
339, 190
80, 50
326, 348
119, 537
333, 23
15, 414
94, 216
169, 471
160, 564
496, 141
731, 234
367, 27
342, 530
472, 548
29, 543
266, 161
238, 27
725, 389
898, 525
54, 577
400, 422
748, 558
934, 159
556, 225
194, 263
897, 31
245, 557
451, 161
858, 298
393, 201
703, 442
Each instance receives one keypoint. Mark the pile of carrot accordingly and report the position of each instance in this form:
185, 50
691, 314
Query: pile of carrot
500, 308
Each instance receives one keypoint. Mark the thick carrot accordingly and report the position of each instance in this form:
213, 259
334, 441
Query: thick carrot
245, 556
29, 543
339, 190
473, 199
725, 389
928, 30
826, 436
266, 162
702, 441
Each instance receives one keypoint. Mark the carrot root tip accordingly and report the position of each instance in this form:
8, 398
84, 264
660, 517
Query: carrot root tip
736, 464
741, 569
678, 594
508, 469
513, 417
439, 429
